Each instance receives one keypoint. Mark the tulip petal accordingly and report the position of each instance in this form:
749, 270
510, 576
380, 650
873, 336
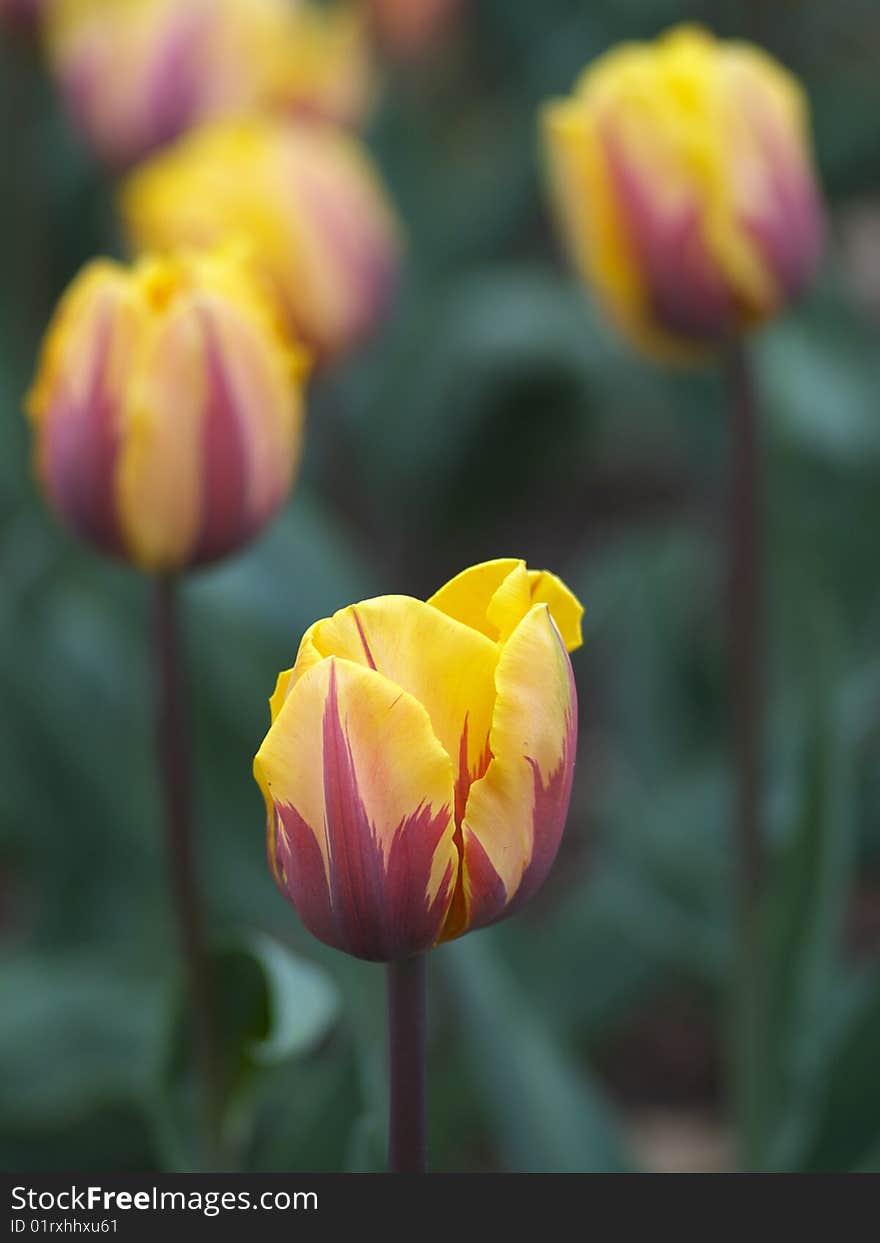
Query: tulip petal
516, 813
346, 255
159, 469
565, 608
495, 596
449, 668
773, 181
361, 828
510, 603
585, 202
77, 401
307, 657
223, 470
467, 596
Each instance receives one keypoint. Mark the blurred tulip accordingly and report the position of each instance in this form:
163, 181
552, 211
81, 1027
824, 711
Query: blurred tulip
167, 409
418, 769
307, 201
684, 183
138, 73
411, 27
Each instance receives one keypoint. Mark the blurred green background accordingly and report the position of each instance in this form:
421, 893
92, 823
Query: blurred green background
494, 415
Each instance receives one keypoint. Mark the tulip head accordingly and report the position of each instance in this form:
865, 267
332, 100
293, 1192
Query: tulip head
138, 73
167, 409
683, 180
418, 768
304, 198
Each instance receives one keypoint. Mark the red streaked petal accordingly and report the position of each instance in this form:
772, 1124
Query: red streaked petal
361, 827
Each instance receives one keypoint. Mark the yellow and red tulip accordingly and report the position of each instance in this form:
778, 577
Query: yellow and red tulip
307, 201
418, 768
138, 73
684, 184
167, 409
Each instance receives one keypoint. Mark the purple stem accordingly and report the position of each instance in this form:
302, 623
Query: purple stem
174, 757
407, 1136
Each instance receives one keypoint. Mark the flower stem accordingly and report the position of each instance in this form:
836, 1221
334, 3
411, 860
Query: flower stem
747, 704
407, 1137
174, 756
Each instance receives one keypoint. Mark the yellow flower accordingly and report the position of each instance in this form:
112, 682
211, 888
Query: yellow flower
167, 409
418, 769
683, 180
138, 73
304, 198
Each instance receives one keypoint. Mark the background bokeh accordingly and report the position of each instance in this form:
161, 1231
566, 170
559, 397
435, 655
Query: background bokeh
493, 415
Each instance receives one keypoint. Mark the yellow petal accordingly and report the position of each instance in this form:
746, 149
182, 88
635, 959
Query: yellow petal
467, 596
516, 813
495, 596
448, 667
565, 608
510, 603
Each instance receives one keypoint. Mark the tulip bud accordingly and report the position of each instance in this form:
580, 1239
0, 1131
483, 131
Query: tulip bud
683, 179
138, 73
167, 409
410, 27
307, 201
418, 769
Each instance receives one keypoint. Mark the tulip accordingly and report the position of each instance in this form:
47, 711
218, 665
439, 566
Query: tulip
418, 768
684, 184
138, 73
167, 409
307, 201
411, 27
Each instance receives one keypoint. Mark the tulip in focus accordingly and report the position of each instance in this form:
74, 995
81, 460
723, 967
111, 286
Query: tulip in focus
684, 184
306, 200
138, 73
418, 769
410, 27
167, 409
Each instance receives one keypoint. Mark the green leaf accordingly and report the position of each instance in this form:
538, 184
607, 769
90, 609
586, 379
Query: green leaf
785, 1011
550, 1116
272, 1007
847, 1130
303, 1002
